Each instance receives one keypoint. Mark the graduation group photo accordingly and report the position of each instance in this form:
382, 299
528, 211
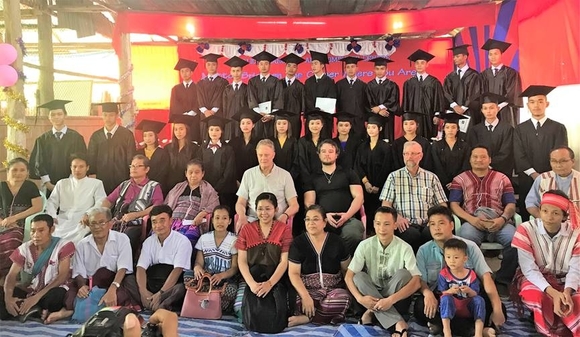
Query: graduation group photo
240, 171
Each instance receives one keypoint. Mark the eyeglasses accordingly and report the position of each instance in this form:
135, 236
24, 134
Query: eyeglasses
561, 161
94, 224
135, 166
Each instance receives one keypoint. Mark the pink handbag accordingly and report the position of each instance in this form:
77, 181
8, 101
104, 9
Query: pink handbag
202, 305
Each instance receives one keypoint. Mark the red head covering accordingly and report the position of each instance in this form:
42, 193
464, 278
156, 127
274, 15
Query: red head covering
565, 205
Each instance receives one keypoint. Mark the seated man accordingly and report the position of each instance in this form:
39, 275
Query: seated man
164, 256
339, 192
133, 199
71, 198
562, 177
45, 263
383, 274
104, 257
430, 262
485, 200
266, 177
411, 190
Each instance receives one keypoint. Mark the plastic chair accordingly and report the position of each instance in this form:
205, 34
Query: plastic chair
487, 245
28, 220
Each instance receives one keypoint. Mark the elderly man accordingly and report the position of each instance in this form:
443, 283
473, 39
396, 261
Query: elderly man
45, 265
485, 200
339, 192
430, 261
266, 177
133, 199
71, 198
412, 190
562, 177
164, 256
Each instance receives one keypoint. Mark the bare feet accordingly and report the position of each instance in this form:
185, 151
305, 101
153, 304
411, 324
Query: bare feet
297, 320
44, 314
367, 318
58, 315
488, 332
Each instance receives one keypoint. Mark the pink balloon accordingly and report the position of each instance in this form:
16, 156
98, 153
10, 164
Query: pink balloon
8, 53
8, 76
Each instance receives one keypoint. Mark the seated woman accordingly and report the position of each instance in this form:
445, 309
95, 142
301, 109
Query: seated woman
192, 200
45, 263
317, 263
549, 275
218, 256
19, 198
262, 255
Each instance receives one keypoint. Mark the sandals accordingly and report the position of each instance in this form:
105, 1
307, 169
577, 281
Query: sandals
399, 333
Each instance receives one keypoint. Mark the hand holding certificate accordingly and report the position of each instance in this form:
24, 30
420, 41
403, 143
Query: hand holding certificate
325, 104
265, 107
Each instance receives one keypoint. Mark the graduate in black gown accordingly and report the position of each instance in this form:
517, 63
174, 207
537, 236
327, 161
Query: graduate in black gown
184, 97
494, 134
462, 87
294, 94
383, 97
373, 165
423, 93
265, 88
308, 158
533, 141
502, 80
352, 96
320, 85
158, 156
235, 97
50, 156
219, 162
410, 126
346, 140
209, 91
450, 155
285, 144
111, 150
181, 150
245, 145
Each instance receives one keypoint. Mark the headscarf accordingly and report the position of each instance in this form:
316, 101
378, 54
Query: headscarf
565, 205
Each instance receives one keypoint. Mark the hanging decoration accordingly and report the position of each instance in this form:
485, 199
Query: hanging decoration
244, 47
13, 123
21, 75
298, 48
353, 46
393, 41
202, 46
22, 46
129, 93
18, 97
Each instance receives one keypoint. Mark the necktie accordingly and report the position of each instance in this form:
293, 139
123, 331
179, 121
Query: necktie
420, 78
263, 79
211, 79
316, 80
538, 125
187, 85
109, 135
351, 82
58, 135
380, 81
494, 71
490, 127
214, 146
236, 87
289, 83
459, 72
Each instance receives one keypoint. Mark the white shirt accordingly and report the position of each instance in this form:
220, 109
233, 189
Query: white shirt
112, 131
176, 251
318, 77
117, 254
383, 79
424, 76
291, 80
214, 149
349, 79
493, 124
497, 68
185, 84
63, 131
463, 70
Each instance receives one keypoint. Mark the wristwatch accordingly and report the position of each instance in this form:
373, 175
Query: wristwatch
116, 284
505, 218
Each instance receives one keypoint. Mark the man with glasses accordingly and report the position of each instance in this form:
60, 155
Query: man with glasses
412, 190
562, 177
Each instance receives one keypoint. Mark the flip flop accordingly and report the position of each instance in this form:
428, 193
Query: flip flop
399, 333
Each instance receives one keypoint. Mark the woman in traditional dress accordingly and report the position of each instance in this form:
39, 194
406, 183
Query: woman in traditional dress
548, 280
181, 150
158, 156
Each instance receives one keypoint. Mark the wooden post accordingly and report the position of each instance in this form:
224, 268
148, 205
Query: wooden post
126, 81
45, 56
15, 108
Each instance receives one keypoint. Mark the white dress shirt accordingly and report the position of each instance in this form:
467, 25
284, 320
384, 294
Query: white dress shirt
176, 251
117, 254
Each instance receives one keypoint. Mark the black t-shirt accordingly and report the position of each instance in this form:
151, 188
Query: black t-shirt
333, 253
333, 190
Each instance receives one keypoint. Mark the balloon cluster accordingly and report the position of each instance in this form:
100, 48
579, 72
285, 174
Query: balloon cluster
8, 75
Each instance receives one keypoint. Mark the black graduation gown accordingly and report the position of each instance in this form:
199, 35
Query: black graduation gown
220, 168
507, 83
109, 160
287, 156
387, 94
325, 88
246, 156
353, 99
209, 95
347, 155
426, 97
294, 101
232, 102
183, 100
447, 162
397, 150
51, 156
499, 142
158, 167
260, 92
308, 159
178, 162
464, 91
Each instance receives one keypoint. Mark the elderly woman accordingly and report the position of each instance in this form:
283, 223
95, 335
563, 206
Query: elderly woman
192, 200
317, 263
549, 257
19, 198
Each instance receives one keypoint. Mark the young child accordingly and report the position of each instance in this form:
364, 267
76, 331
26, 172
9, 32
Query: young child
459, 289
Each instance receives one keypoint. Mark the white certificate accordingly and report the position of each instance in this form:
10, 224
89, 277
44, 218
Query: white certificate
464, 124
327, 105
265, 107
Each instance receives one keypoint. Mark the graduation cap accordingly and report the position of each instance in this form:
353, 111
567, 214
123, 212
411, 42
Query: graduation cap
380, 61
420, 54
377, 120
537, 90
264, 56
350, 60
247, 113
184, 63
315, 114
495, 44
344, 116
452, 117
182, 119
110, 106
412, 116
283, 114
55, 105
490, 97
292, 58
321, 57
461, 49
211, 57
216, 121
147, 125
236, 62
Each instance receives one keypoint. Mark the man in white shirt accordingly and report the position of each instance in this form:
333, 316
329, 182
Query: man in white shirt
164, 256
